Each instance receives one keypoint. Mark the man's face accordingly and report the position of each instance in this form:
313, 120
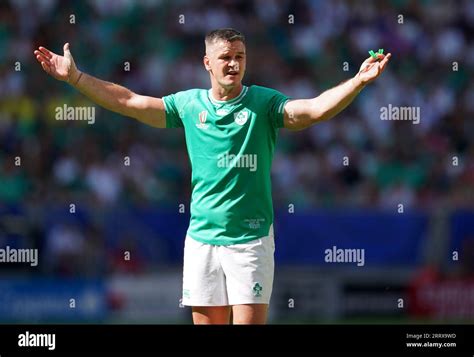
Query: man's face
225, 61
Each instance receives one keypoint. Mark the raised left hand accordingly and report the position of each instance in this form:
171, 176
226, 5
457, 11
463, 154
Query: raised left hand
372, 68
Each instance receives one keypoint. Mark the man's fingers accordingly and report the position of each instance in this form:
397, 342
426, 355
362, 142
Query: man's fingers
38, 58
375, 66
41, 58
385, 61
45, 67
46, 52
380, 57
370, 61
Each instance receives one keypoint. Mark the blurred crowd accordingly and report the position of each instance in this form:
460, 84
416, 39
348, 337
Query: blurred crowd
301, 48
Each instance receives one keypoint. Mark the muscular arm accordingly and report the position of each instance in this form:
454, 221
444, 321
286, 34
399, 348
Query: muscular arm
116, 98
111, 96
302, 113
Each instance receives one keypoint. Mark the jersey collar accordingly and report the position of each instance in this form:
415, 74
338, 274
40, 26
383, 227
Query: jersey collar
235, 100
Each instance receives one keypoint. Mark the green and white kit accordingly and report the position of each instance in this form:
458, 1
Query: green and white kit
229, 246
230, 146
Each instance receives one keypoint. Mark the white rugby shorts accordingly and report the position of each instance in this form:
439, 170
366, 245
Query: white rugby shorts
216, 275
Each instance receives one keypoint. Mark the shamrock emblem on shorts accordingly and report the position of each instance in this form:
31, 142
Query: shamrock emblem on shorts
257, 288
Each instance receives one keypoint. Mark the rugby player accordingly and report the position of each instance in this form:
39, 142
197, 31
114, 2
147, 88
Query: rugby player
230, 131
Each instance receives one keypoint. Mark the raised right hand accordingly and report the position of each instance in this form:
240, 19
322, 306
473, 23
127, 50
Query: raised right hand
62, 68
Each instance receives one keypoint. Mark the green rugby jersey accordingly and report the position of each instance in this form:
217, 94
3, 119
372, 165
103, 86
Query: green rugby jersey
230, 146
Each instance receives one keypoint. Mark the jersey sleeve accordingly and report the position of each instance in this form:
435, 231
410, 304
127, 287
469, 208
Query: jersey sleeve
173, 119
276, 107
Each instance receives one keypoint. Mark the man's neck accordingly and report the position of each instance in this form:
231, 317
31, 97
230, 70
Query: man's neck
221, 93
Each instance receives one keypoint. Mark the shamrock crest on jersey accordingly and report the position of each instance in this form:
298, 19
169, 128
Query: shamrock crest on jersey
241, 117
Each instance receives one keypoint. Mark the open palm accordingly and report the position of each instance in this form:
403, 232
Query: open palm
62, 68
372, 68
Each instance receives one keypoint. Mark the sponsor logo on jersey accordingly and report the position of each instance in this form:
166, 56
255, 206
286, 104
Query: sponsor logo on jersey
254, 223
222, 111
241, 117
202, 120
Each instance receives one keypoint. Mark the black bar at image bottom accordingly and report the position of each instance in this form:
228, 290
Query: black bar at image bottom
67, 339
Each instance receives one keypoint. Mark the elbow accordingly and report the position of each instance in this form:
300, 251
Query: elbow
131, 101
308, 113
131, 105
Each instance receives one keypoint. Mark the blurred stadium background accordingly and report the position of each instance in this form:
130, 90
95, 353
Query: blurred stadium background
72, 197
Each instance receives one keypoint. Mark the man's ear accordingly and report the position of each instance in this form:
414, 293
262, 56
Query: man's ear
207, 65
